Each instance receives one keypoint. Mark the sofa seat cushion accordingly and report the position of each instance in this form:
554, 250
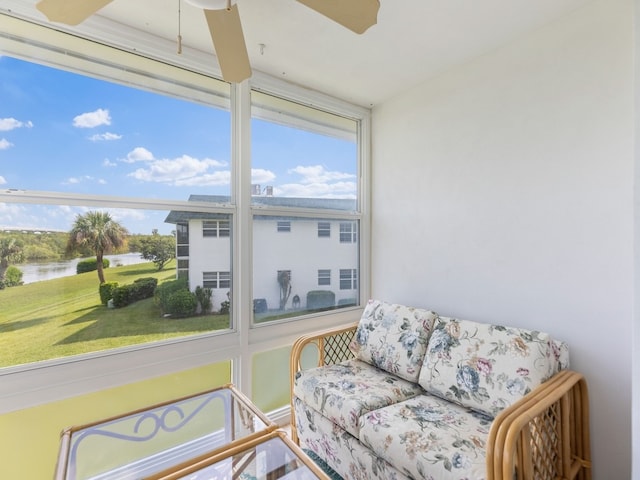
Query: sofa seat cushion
427, 437
341, 451
393, 337
344, 391
486, 367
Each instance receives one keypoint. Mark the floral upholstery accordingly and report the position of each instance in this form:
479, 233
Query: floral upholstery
427, 437
486, 367
393, 337
344, 391
419, 399
341, 451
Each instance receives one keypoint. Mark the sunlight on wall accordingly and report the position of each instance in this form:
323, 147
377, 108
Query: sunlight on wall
29, 439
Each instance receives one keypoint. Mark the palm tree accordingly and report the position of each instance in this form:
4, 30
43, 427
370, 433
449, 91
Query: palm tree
284, 280
10, 251
99, 232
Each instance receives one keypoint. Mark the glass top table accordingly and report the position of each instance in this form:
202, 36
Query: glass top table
141, 443
272, 456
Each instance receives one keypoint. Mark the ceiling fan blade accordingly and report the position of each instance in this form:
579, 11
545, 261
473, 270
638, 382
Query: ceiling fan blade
228, 40
70, 12
356, 15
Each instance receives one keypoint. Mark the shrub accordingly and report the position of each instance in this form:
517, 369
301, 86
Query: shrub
347, 302
182, 303
144, 288
203, 295
317, 299
166, 289
138, 290
225, 307
12, 276
121, 296
91, 265
106, 291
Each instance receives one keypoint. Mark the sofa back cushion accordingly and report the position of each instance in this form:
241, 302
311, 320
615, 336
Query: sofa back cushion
393, 338
487, 367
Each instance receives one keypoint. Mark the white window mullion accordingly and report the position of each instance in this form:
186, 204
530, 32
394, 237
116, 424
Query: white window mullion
241, 194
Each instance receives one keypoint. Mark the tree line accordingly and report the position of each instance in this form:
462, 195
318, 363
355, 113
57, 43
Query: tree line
94, 233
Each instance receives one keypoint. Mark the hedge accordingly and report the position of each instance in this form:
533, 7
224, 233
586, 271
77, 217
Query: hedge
106, 291
138, 290
317, 299
91, 265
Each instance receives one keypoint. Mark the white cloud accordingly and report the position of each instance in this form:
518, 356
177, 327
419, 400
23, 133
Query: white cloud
318, 174
105, 137
317, 190
138, 154
108, 163
222, 177
4, 144
75, 180
317, 182
7, 124
92, 119
11, 213
261, 176
184, 170
2, 180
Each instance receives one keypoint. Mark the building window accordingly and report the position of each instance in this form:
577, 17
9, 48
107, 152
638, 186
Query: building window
324, 277
284, 226
182, 240
216, 279
347, 232
215, 228
348, 279
324, 229
183, 268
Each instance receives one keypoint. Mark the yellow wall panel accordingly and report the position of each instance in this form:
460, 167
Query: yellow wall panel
29, 439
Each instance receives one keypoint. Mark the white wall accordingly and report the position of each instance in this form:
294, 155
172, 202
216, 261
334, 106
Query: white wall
503, 192
302, 252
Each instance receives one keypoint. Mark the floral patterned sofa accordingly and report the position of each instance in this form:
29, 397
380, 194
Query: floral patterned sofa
408, 394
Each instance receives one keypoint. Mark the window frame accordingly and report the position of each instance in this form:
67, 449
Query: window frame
350, 236
30, 385
352, 278
283, 226
222, 280
215, 229
324, 229
324, 277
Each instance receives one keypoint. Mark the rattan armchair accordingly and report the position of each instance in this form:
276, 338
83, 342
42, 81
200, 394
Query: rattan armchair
544, 436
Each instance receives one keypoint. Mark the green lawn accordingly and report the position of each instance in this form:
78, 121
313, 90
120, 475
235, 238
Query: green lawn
62, 317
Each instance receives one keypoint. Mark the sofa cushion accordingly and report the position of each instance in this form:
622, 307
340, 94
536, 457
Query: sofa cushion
393, 337
344, 391
427, 437
340, 450
485, 367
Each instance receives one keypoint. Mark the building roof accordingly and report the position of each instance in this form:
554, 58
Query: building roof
177, 216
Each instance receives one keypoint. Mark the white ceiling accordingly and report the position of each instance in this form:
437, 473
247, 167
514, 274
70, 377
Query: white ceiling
412, 41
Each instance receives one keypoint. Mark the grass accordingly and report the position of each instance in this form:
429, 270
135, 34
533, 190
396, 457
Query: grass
63, 317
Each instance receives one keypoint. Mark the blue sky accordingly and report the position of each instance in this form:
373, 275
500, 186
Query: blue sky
64, 132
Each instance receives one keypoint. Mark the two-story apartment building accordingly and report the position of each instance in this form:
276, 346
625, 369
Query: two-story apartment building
328, 261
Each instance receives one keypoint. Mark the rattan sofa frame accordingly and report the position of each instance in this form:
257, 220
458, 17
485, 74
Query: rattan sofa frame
544, 436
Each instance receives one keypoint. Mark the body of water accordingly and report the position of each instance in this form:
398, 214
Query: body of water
36, 272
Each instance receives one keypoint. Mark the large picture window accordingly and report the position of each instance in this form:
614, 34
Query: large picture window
207, 207
312, 170
78, 137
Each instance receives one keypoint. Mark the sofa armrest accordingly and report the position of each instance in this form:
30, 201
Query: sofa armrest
545, 435
329, 347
